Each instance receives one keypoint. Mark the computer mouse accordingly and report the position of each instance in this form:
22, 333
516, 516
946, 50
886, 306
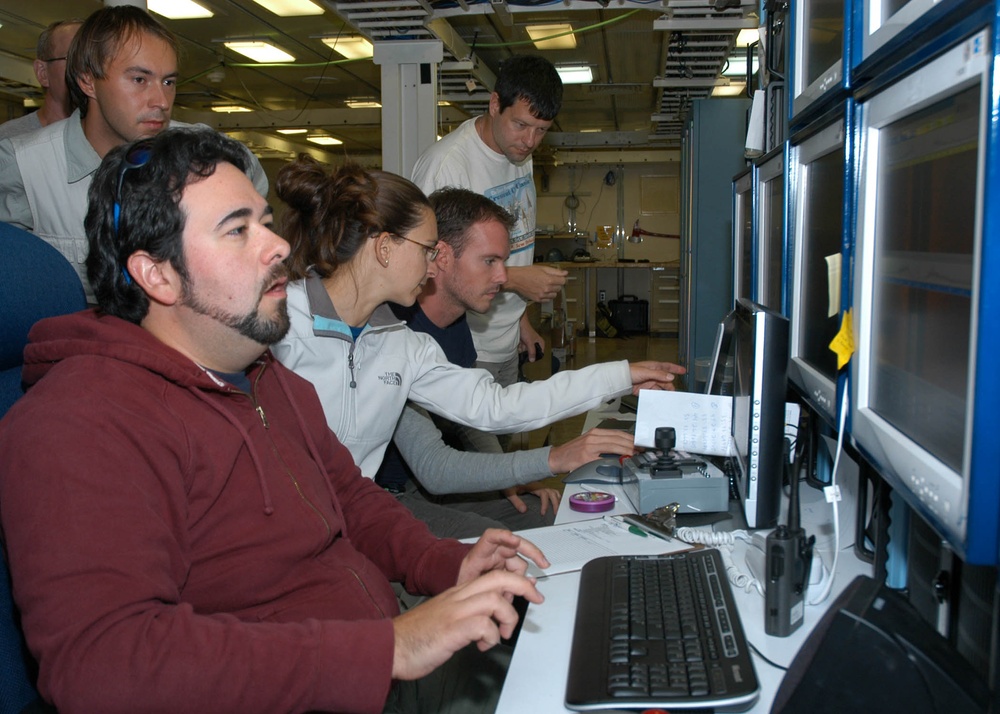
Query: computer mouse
606, 470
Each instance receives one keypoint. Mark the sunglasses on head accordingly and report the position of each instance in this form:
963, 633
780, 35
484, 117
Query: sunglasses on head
135, 158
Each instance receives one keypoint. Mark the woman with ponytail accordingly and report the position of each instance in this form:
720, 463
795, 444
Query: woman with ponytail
363, 238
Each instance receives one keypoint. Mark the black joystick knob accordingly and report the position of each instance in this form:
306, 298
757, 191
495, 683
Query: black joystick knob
664, 438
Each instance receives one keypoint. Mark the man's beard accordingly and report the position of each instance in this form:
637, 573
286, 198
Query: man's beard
251, 325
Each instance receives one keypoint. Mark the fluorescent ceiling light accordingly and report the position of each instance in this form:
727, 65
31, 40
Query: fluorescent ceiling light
229, 108
178, 9
290, 8
589, 131
362, 103
575, 73
350, 46
259, 51
565, 42
738, 66
324, 140
733, 90
747, 37
293, 131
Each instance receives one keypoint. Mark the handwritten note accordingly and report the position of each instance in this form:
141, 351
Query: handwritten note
702, 422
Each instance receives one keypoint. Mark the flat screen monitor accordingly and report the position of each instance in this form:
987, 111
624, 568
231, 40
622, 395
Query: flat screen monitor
888, 26
743, 235
770, 243
924, 296
817, 52
759, 349
817, 232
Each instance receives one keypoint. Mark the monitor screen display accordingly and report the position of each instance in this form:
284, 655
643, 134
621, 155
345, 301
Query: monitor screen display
817, 238
891, 24
771, 230
922, 271
918, 303
824, 25
818, 50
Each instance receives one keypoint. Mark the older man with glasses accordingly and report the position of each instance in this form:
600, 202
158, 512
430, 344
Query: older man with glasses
50, 69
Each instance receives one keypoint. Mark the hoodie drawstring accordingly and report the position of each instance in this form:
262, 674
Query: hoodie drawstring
265, 492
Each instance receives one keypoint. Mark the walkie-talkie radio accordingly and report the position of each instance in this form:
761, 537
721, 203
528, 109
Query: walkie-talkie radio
788, 559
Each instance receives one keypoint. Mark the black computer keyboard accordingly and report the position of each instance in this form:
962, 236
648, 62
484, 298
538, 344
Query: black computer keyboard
658, 631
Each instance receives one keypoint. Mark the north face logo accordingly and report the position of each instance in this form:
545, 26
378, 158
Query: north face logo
391, 379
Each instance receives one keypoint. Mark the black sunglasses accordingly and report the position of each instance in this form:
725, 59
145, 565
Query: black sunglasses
135, 158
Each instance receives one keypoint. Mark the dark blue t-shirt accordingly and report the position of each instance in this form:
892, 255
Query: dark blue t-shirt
455, 339
456, 342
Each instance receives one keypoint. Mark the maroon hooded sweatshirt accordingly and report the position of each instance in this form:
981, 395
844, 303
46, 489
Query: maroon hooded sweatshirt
179, 545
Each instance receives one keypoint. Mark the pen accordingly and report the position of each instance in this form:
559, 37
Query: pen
645, 529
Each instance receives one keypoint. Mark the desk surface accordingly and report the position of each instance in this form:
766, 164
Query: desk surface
536, 680
578, 264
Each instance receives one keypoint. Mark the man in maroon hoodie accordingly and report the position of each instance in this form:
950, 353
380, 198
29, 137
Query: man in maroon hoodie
184, 533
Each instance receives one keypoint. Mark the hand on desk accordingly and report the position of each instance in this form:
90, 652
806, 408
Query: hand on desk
654, 375
589, 447
478, 609
548, 496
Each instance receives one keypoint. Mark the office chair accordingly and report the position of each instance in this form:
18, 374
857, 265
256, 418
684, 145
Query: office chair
35, 282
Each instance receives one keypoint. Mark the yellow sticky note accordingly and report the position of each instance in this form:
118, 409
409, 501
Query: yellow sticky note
843, 343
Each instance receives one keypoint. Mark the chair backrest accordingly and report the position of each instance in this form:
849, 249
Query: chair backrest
36, 281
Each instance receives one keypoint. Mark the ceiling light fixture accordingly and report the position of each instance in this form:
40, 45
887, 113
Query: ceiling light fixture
292, 131
291, 8
566, 40
575, 73
736, 89
350, 46
362, 103
178, 9
737, 66
259, 51
747, 37
230, 108
324, 140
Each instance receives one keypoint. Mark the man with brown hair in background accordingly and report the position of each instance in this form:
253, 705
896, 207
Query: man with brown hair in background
121, 74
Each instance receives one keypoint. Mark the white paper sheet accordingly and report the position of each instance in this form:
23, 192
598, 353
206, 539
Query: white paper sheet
571, 545
702, 422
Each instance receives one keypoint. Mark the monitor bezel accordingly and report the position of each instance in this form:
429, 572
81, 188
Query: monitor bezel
817, 388
770, 168
742, 185
830, 80
938, 492
759, 463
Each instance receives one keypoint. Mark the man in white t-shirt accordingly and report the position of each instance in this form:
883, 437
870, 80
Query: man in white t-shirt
491, 155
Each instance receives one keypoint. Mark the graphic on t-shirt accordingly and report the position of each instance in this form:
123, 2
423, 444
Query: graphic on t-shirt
517, 197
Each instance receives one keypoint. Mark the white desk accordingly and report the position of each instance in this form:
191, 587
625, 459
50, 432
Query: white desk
536, 680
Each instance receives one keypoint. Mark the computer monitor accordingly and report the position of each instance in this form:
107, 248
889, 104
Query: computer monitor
743, 235
817, 53
927, 295
817, 220
770, 226
759, 349
720, 373
888, 28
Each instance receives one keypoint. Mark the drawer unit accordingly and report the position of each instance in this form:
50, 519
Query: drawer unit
665, 301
